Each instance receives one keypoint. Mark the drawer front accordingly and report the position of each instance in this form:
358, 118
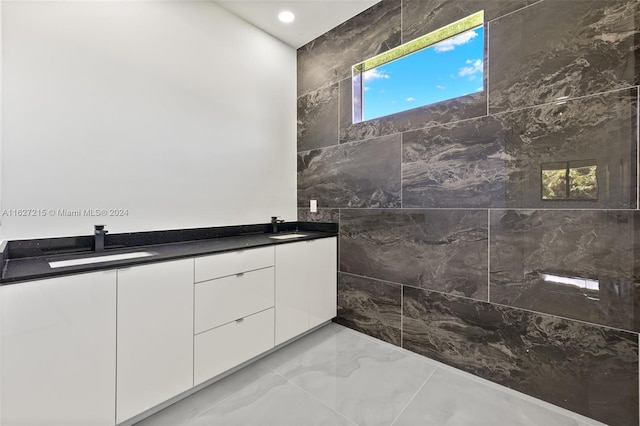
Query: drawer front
225, 347
226, 299
235, 262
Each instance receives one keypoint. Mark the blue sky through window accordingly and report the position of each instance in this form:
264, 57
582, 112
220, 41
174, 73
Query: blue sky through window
451, 68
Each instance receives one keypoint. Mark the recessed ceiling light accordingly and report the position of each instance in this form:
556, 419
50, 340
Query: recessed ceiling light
286, 16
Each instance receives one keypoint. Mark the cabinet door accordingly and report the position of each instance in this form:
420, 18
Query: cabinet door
58, 352
292, 306
322, 280
155, 335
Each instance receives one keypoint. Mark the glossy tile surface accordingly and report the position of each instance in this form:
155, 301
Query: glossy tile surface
420, 17
469, 106
477, 403
588, 369
369, 383
370, 306
362, 174
558, 49
336, 376
185, 411
541, 259
318, 118
442, 250
329, 58
272, 400
322, 215
497, 161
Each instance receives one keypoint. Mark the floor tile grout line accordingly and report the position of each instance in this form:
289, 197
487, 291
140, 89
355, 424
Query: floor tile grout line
231, 395
317, 399
449, 369
414, 396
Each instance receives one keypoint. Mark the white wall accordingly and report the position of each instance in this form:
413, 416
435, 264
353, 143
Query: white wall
175, 110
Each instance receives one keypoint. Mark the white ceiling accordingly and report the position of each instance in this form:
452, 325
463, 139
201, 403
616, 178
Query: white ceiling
313, 17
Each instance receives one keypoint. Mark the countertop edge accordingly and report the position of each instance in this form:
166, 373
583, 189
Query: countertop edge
118, 264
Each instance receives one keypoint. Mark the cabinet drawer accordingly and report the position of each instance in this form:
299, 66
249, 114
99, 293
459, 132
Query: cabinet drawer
235, 262
226, 299
225, 347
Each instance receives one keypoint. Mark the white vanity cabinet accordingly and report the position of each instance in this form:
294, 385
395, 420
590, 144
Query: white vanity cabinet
234, 310
100, 348
58, 351
306, 286
155, 335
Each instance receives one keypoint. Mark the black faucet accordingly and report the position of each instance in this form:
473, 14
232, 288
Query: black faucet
274, 224
98, 237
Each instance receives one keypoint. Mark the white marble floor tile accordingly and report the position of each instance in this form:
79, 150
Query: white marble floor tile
182, 412
270, 401
450, 399
368, 382
336, 376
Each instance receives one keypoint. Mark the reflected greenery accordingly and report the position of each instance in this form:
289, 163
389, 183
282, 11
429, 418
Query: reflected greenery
574, 180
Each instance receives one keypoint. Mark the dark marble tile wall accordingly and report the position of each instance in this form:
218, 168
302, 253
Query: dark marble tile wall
447, 246
360, 174
496, 160
370, 306
420, 17
469, 106
322, 215
559, 49
329, 58
587, 369
318, 118
577, 264
442, 250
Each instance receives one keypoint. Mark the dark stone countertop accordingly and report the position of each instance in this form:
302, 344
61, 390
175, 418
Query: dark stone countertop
26, 260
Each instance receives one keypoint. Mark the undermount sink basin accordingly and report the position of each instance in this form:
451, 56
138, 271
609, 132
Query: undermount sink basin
99, 259
287, 236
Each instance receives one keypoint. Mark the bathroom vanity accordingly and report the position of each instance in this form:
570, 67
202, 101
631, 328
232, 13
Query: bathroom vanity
101, 343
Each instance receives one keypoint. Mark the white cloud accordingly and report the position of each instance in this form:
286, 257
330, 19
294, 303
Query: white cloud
367, 88
411, 99
480, 89
474, 67
440, 87
451, 43
375, 74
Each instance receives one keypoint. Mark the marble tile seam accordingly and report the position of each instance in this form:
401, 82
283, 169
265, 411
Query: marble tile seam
489, 256
494, 303
413, 397
322, 87
514, 11
234, 393
480, 209
477, 379
401, 170
401, 319
373, 279
487, 64
338, 115
454, 122
316, 399
562, 101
